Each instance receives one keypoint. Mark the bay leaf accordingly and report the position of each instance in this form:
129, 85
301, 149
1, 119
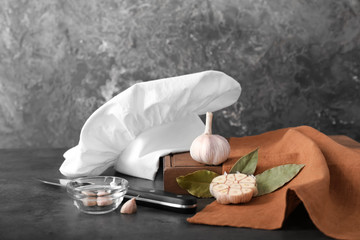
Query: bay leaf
274, 178
246, 164
197, 183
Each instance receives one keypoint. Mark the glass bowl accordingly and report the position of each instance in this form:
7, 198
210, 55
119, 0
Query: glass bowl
97, 195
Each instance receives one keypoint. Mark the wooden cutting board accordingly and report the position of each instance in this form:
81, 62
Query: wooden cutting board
180, 164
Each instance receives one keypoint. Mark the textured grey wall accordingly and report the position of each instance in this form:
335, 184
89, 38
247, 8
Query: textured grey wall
297, 61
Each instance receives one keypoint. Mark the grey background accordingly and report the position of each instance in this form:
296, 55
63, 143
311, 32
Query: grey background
298, 62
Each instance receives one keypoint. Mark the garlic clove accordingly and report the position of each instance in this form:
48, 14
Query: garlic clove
235, 195
220, 187
247, 194
104, 201
249, 179
89, 201
88, 193
219, 179
101, 193
230, 177
129, 207
240, 176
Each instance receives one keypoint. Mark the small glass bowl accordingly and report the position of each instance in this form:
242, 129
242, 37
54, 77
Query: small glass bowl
97, 195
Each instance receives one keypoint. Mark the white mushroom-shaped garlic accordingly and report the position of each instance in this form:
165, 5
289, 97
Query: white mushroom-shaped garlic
208, 148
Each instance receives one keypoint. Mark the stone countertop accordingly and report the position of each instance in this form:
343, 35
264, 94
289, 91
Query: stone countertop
32, 210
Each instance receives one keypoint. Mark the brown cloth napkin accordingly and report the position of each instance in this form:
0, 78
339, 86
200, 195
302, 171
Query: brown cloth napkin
328, 185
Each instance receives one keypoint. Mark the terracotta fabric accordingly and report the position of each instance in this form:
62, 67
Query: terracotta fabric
328, 185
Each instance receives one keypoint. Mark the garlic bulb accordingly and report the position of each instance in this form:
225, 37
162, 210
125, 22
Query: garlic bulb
233, 188
208, 148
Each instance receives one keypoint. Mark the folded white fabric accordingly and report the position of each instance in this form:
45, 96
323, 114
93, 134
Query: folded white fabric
146, 121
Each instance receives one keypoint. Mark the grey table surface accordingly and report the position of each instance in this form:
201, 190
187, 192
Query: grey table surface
32, 210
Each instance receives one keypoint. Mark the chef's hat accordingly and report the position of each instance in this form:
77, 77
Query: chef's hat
146, 121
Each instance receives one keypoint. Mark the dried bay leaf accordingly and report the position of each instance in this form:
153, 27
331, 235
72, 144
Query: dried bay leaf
197, 183
274, 178
246, 164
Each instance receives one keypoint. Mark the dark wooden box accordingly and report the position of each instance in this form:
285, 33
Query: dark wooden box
180, 164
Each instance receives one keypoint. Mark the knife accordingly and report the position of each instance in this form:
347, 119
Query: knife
147, 197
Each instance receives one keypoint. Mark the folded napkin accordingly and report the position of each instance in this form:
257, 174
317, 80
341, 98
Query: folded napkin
328, 185
146, 121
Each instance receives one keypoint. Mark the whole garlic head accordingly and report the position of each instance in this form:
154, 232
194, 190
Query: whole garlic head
208, 148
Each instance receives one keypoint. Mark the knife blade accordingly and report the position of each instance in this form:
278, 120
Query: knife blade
146, 197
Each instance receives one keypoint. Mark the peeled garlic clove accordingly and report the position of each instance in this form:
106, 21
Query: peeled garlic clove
104, 201
88, 193
101, 193
89, 201
129, 207
208, 148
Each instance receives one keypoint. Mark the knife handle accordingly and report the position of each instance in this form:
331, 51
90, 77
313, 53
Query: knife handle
163, 200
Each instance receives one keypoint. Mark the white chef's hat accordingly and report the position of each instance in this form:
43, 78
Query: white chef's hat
146, 121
